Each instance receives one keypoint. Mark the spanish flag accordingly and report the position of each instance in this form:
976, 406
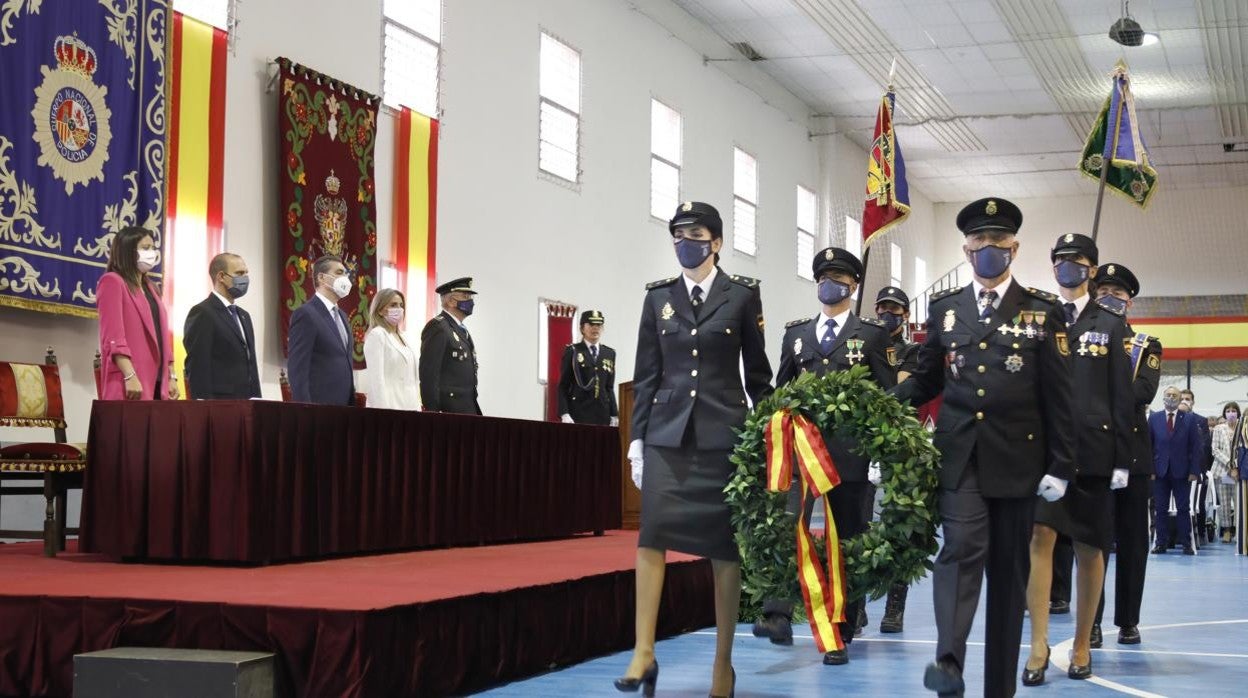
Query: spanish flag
416, 208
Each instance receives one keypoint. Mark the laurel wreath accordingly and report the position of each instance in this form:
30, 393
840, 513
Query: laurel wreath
897, 547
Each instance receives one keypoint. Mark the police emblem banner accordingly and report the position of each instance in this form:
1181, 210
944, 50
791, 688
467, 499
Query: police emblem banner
82, 143
328, 130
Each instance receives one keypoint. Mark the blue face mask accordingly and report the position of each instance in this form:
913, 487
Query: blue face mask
691, 253
465, 307
891, 321
991, 261
832, 292
238, 286
1070, 274
1113, 303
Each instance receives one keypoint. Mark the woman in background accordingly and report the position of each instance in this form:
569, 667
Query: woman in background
136, 346
390, 379
1220, 474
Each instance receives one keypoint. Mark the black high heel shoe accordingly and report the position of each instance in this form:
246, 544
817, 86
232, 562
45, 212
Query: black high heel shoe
649, 678
1035, 677
1079, 671
732, 693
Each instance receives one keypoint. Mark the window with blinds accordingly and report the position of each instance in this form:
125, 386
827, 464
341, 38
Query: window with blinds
665, 147
807, 215
744, 201
853, 237
559, 118
409, 73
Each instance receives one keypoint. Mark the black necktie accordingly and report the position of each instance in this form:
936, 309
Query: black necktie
695, 296
1070, 313
593, 353
986, 298
829, 336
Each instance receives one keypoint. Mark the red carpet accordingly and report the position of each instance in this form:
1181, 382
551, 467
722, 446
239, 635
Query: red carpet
421, 623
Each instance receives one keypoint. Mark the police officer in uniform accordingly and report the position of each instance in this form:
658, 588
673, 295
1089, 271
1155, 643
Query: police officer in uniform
1116, 286
835, 340
587, 377
448, 358
892, 307
997, 351
1104, 403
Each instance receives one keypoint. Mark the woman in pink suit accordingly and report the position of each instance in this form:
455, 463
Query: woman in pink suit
136, 346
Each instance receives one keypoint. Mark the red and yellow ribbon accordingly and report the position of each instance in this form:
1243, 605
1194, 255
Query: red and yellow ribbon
824, 593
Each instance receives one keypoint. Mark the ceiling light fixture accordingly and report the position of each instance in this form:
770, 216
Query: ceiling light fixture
1150, 38
1126, 30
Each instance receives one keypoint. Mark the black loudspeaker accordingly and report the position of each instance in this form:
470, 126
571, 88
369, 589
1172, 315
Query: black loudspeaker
149, 672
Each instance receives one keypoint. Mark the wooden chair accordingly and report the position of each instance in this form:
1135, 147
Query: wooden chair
30, 396
360, 398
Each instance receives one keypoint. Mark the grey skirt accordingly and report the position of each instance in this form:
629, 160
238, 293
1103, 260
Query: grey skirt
682, 502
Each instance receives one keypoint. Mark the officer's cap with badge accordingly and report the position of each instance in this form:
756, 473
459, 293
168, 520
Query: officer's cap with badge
894, 294
1117, 274
463, 283
697, 213
988, 216
591, 317
837, 259
1075, 245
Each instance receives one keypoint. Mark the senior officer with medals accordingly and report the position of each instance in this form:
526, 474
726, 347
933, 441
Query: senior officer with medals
1104, 403
448, 358
1116, 286
587, 377
700, 356
835, 340
997, 352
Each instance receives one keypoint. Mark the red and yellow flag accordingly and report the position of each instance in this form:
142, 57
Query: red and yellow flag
416, 208
887, 201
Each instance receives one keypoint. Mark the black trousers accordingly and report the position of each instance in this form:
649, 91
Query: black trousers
1063, 563
1131, 555
992, 535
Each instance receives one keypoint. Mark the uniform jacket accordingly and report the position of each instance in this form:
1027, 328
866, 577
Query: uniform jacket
689, 368
127, 329
1144, 386
448, 367
1006, 387
1104, 399
318, 365
587, 385
905, 355
1179, 454
220, 360
800, 353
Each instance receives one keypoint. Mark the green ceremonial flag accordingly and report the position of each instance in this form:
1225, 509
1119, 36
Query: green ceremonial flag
1116, 137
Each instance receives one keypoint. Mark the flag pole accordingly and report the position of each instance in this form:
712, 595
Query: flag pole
866, 254
1100, 196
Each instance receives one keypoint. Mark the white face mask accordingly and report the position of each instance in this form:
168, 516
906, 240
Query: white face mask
342, 286
394, 316
147, 260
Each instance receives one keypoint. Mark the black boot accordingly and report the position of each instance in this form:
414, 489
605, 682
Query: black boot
894, 609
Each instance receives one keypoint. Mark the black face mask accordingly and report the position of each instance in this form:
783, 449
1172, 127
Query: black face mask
1070, 274
465, 307
991, 261
891, 321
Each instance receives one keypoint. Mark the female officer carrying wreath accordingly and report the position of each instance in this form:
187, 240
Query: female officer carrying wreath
701, 333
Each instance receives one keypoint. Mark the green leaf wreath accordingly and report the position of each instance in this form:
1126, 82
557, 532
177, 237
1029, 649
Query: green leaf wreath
897, 548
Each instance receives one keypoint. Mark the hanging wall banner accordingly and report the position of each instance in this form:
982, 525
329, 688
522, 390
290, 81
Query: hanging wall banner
328, 130
82, 143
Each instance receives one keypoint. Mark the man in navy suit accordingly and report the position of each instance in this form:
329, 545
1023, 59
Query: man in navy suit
1177, 451
320, 344
219, 339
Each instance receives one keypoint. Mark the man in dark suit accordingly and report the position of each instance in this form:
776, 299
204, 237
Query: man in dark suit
835, 340
587, 377
1200, 490
1177, 453
318, 361
219, 339
448, 357
997, 351
1115, 288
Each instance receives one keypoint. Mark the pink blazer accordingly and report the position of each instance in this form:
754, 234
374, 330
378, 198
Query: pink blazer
126, 329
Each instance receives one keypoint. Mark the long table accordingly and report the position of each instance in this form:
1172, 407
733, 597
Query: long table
260, 482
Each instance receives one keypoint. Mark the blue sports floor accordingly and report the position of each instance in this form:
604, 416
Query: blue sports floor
1194, 625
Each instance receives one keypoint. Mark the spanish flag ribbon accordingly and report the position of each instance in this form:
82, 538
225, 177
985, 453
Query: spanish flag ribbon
823, 593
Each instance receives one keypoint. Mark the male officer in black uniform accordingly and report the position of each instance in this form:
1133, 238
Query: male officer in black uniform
587, 377
448, 358
892, 307
1005, 433
1116, 286
835, 340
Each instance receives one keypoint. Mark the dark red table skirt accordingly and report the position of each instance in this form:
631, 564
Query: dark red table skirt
261, 482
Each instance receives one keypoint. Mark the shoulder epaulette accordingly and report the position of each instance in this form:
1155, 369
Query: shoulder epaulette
744, 281
1042, 295
871, 321
946, 293
795, 323
660, 283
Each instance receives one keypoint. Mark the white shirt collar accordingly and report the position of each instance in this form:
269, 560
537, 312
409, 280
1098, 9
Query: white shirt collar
224, 301
705, 285
1000, 288
330, 305
1080, 303
840, 319
589, 343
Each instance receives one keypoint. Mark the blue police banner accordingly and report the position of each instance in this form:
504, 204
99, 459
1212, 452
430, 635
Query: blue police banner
82, 142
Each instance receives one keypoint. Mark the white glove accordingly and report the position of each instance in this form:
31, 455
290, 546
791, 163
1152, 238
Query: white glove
1119, 479
566, 419
873, 473
635, 458
615, 421
1051, 488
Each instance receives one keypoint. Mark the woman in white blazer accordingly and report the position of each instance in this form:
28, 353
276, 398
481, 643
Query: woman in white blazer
391, 373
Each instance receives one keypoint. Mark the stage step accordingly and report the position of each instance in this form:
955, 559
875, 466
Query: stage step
153, 672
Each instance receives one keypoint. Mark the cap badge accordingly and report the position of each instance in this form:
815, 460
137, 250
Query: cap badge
687, 206
829, 254
991, 208
1070, 237
1110, 270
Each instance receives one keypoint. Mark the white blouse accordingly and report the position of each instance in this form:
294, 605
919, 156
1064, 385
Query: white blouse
390, 379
